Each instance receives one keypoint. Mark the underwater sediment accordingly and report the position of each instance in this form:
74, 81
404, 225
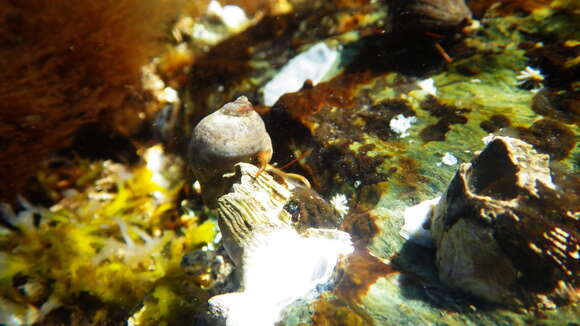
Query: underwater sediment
452, 123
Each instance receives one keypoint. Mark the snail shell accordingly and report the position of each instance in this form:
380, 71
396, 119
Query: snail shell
234, 133
436, 16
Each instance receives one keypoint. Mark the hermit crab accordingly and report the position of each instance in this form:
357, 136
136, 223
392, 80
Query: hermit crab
264, 216
234, 133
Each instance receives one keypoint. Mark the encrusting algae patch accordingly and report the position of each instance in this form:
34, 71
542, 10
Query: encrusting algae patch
98, 251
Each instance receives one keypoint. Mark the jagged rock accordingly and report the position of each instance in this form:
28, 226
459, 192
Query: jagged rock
279, 261
505, 232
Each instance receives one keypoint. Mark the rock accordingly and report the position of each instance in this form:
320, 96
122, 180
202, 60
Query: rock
280, 263
505, 232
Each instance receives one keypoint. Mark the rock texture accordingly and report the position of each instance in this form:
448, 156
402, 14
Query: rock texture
505, 232
279, 263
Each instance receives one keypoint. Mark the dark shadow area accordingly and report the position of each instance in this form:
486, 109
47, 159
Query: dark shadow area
493, 174
420, 281
96, 143
383, 53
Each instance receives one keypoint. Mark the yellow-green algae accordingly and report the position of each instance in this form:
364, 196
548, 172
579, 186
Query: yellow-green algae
174, 300
110, 241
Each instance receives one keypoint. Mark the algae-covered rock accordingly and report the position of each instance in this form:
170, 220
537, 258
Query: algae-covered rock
387, 128
505, 232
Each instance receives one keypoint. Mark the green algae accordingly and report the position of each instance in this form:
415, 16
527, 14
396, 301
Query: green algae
173, 300
473, 90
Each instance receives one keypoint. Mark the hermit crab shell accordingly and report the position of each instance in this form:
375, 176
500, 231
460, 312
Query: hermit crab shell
435, 16
234, 133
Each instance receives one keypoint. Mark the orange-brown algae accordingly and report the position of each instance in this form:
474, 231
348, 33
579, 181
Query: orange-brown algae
63, 64
361, 226
338, 92
336, 312
362, 270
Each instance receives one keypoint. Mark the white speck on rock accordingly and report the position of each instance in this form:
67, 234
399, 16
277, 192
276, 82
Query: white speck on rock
312, 64
70, 192
168, 95
487, 139
449, 159
233, 17
401, 124
428, 85
202, 34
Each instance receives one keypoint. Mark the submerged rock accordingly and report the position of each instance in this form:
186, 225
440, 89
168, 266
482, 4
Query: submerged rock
505, 232
311, 65
279, 263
